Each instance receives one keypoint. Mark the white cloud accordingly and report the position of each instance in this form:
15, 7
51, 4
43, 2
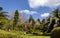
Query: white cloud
28, 12
38, 3
45, 15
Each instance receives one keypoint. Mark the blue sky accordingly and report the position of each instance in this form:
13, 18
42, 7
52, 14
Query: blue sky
37, 8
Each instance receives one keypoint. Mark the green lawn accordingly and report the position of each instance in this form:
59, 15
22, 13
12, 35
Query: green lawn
33, 36
17, 34
25, 36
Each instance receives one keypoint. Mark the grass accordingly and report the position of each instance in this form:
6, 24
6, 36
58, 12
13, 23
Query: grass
17, 34
25, 36
33, 36
6, 34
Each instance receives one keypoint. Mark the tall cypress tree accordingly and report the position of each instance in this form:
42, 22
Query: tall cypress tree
16, 17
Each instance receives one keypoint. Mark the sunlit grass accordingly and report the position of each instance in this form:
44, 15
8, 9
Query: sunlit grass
6, 34
25, 36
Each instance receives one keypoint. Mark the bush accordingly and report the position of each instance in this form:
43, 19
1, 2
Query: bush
37, 32
46, 34
55, 33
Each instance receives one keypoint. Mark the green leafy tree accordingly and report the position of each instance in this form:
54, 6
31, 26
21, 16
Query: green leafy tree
51, 26
54, 16
3, 19
16, 18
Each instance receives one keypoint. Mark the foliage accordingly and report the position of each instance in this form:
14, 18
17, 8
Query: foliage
55, 13
51, 26
51, 21
16, 17
1, 8
31, 20
55, 33
37, 32
38, 27
32, 27
54, 19
43, 21
29, 29
20, 27
3, 19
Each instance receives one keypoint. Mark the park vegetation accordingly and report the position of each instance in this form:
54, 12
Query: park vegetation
14, 28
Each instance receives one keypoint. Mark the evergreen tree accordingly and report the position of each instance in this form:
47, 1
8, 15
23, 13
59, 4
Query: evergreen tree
55, 13
38, 20
31, 19
16, 17
43, 22
1, 8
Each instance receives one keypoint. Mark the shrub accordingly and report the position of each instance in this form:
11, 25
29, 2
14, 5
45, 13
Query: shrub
46, 34
37, 32
55, 33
